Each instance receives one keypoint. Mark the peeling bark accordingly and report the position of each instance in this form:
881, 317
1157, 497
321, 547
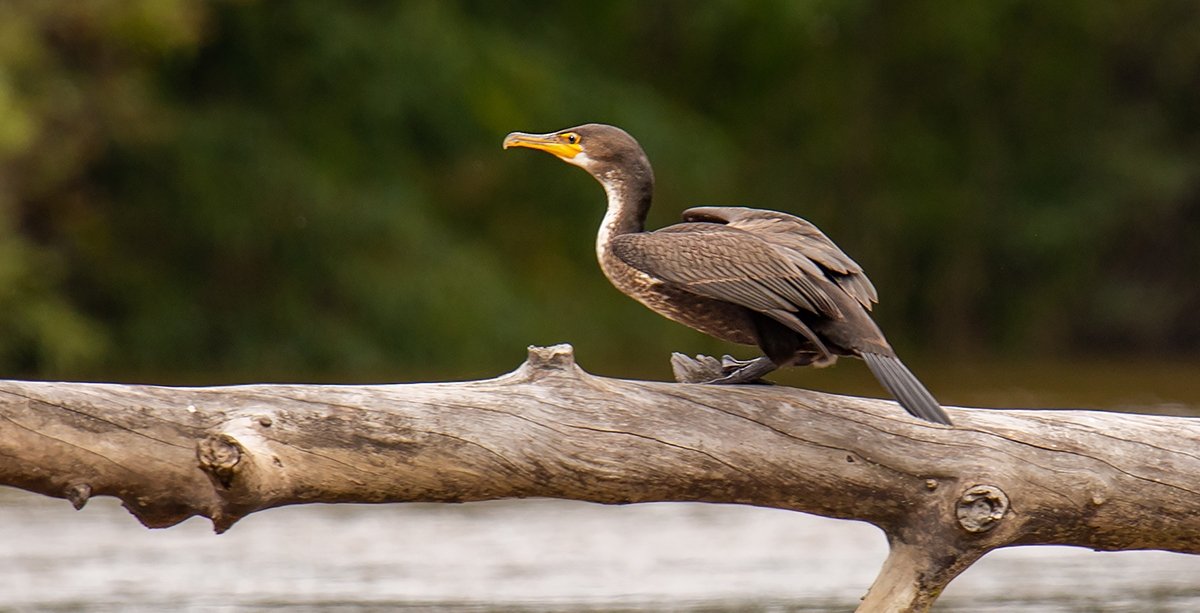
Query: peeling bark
944, 496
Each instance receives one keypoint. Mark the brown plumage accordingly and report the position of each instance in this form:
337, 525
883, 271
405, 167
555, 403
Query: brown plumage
746, 276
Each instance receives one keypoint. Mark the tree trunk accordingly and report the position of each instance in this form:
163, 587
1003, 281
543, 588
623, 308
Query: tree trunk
944, 495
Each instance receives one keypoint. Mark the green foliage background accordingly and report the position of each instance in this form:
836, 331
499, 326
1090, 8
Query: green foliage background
215, 191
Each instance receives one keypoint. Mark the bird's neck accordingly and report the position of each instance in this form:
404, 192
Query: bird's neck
629, 195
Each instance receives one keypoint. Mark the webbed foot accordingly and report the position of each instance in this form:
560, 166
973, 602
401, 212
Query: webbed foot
744, 371
726, 371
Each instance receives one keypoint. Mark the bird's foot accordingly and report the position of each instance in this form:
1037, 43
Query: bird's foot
744, 371
726, 371
730, 364
700, 369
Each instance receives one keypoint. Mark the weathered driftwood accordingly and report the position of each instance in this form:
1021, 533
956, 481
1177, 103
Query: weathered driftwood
944, 496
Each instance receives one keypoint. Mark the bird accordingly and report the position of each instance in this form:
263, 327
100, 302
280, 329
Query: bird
742, 275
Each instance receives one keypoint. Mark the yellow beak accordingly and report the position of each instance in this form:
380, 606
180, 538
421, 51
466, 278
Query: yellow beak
551, 143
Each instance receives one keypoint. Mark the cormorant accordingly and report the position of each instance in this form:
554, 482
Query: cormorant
747, 276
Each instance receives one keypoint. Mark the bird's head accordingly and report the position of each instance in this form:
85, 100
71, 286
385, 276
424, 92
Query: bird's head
607, 152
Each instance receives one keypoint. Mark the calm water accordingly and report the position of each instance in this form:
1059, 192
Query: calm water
534, 555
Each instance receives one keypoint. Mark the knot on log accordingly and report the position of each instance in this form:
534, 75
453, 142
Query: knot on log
78, 494
981, 507
246, 472
219, 456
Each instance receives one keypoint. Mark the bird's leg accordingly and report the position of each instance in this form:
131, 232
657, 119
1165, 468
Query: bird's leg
815, 360
744, 371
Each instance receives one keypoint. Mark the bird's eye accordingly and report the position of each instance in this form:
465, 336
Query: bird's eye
572, 138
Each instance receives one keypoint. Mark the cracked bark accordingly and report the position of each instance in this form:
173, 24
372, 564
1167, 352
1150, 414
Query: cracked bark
944, 496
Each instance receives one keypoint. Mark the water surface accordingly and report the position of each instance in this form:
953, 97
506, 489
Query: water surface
531, 555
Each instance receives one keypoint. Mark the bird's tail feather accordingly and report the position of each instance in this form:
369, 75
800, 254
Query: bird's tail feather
905, 387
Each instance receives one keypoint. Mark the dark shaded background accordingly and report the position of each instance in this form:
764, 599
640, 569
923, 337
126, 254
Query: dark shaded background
210, 192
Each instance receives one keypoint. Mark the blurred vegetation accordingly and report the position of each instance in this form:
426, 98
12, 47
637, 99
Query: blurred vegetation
217, 191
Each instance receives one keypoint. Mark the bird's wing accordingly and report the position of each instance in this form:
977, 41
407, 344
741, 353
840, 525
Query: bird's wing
729, 264
797, 237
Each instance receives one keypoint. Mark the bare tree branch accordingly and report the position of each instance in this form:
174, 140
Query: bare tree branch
944, 496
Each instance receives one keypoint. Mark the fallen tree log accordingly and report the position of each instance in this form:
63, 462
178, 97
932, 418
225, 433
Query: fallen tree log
944, 496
